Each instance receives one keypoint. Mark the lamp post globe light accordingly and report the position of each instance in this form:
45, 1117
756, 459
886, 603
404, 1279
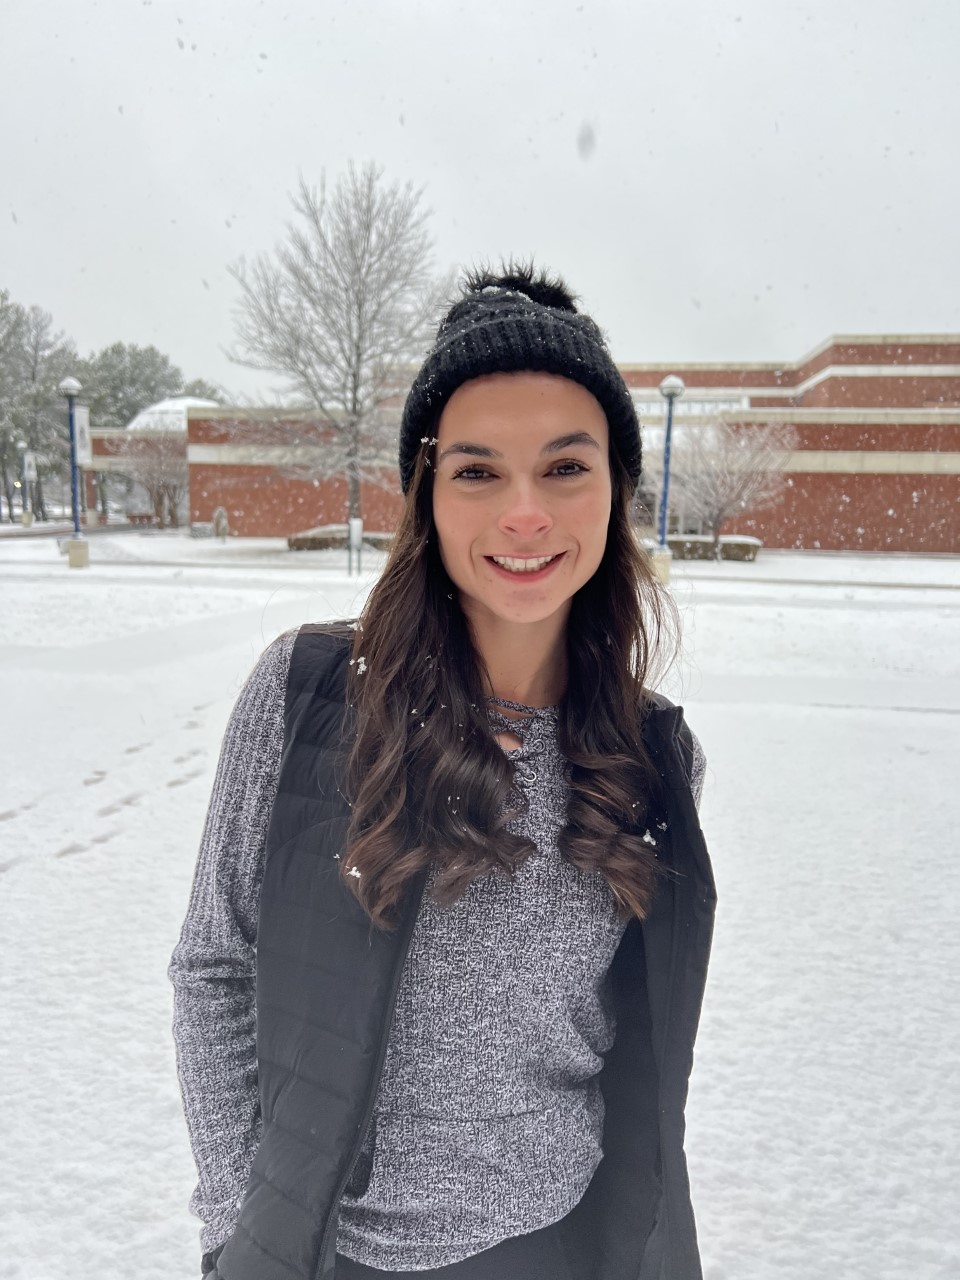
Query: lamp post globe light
77, 548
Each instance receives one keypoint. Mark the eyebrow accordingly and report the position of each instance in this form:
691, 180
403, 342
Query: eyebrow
552, 446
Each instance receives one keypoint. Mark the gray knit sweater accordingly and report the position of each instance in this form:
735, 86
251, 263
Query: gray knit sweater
488, 1119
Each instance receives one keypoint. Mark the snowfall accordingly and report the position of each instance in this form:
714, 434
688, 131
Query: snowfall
824, 1116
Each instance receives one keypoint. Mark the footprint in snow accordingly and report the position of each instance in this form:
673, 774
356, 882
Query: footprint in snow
69, 849
12, 813
76, 847
192, 724
117, 805
98, 775
132, 751
102, 839
187, 777
189, 755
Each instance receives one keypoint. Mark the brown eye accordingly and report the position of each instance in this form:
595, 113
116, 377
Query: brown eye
470, 475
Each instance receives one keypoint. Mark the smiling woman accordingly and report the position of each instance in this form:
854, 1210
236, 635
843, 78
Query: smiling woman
474, 935
523, 528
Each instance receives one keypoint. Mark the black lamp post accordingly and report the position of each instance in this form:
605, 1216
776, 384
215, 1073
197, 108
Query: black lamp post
71, 388
671, 388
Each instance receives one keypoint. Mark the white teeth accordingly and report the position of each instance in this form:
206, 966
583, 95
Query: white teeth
516, 565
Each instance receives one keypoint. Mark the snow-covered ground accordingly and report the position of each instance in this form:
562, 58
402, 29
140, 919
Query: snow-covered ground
824, 1137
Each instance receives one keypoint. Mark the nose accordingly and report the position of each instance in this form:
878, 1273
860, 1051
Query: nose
524, 514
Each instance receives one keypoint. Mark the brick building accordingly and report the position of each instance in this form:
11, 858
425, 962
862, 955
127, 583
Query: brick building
246, 464
876, 468
877, 464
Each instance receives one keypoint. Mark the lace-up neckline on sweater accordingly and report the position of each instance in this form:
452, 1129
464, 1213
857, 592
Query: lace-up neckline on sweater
530, 730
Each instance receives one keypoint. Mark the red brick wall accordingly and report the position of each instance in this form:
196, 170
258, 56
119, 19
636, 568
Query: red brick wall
877, 512
892, 437
882, 353
115, 443
251, 429
880, 392
260, 503
900, 392
861, 513
819, 511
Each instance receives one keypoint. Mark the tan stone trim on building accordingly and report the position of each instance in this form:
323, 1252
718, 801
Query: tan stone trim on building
255, 455
235, 414
876, 371
829, 417
875, 462
106, 462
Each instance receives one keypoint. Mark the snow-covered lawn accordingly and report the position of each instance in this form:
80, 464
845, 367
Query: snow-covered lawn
824, 1137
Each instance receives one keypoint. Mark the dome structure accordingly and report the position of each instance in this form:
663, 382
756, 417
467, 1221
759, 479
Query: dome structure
168, 415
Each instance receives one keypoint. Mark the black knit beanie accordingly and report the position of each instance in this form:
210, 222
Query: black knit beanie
506, 323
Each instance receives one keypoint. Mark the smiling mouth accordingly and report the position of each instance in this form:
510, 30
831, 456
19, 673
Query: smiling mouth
521, 565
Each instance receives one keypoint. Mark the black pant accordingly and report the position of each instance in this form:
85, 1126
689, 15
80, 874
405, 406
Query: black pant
553, 1253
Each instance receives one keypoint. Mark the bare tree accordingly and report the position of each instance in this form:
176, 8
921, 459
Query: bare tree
346, 301
157, 460
725, 469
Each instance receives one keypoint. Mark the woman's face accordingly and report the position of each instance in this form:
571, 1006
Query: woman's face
521, 475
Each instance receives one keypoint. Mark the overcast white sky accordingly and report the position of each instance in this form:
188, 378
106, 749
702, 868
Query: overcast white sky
763, 173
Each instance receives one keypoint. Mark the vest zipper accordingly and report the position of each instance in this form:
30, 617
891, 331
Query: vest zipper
673, 750
662, 1218
407, 937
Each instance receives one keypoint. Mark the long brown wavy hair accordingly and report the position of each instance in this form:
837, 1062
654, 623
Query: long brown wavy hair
425, 777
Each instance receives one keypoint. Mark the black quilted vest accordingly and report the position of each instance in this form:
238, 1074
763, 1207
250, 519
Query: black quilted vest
326, 983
